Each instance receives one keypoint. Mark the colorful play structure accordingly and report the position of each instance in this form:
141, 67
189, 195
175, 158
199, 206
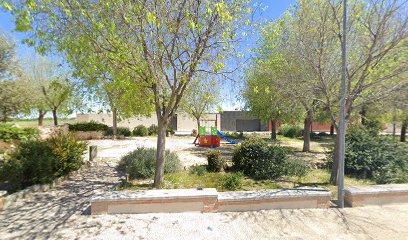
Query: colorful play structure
209, 136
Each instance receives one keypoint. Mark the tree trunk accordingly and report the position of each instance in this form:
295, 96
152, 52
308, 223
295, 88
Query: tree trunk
114, 123
363, 114
160, 154
273, 131
54, 115
41, 115
403, 131
335, 167
198, 131
306, 132
332, 130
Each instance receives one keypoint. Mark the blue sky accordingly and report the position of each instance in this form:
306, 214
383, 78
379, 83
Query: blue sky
275, 9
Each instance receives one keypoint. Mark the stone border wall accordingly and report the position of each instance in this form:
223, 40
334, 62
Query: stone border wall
359, 196
206, 200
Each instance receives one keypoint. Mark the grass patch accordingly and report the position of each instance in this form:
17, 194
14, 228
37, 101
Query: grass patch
186, 179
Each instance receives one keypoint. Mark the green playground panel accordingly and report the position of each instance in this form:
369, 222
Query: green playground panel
214, 131
203, 132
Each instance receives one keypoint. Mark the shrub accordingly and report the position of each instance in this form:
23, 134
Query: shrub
9, 132
141, 163
169, 131
199, 170
140, 131
120, 131
375, 157
291, 131
256, 158
88, 127
297, 168
153, 130
215, 161
234, 135
41, 161
232, 182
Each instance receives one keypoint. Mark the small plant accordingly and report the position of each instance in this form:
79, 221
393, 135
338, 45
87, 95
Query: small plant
141, 163
297, 168
291, 131
169, 131
232, 182
9, 132
194, 132
198, 170
140, 131
88, 127
153, 130
215, 161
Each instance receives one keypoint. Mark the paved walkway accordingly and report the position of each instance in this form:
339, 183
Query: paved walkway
63, 213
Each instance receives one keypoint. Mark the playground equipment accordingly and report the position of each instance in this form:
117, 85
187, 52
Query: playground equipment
209, 136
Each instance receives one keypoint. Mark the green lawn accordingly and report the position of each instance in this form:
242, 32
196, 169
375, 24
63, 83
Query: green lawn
47, 122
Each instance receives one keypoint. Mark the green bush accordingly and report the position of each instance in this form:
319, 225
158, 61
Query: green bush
375, 157
215, 161
141, 163
121, 131
234, 135
169, 131
257, 159
41, 161
199, 170
232, 182
88, 127
291, 131
140, 131
297, 168
153, 130
9, 132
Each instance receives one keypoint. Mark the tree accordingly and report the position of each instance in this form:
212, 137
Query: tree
160, 45
264, 98
291, 79
13, 94
201, 96
377, 34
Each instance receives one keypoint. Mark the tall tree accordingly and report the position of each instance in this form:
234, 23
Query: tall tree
160, 45
377, 33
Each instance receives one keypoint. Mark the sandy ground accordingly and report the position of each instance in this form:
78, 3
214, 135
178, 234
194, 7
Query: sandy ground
63, 213
188, 153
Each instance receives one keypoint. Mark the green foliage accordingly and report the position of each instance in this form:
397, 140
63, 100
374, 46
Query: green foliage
169, 131
257, 159
141, 163
232, 182
88, 127
140, 131
375, 157
121, 131
297, 168
234, 135
199, 170
41, 161
216, 163
153, 130
9, 132
291, 131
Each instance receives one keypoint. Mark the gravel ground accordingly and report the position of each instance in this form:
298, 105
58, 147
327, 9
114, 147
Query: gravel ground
63, 213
